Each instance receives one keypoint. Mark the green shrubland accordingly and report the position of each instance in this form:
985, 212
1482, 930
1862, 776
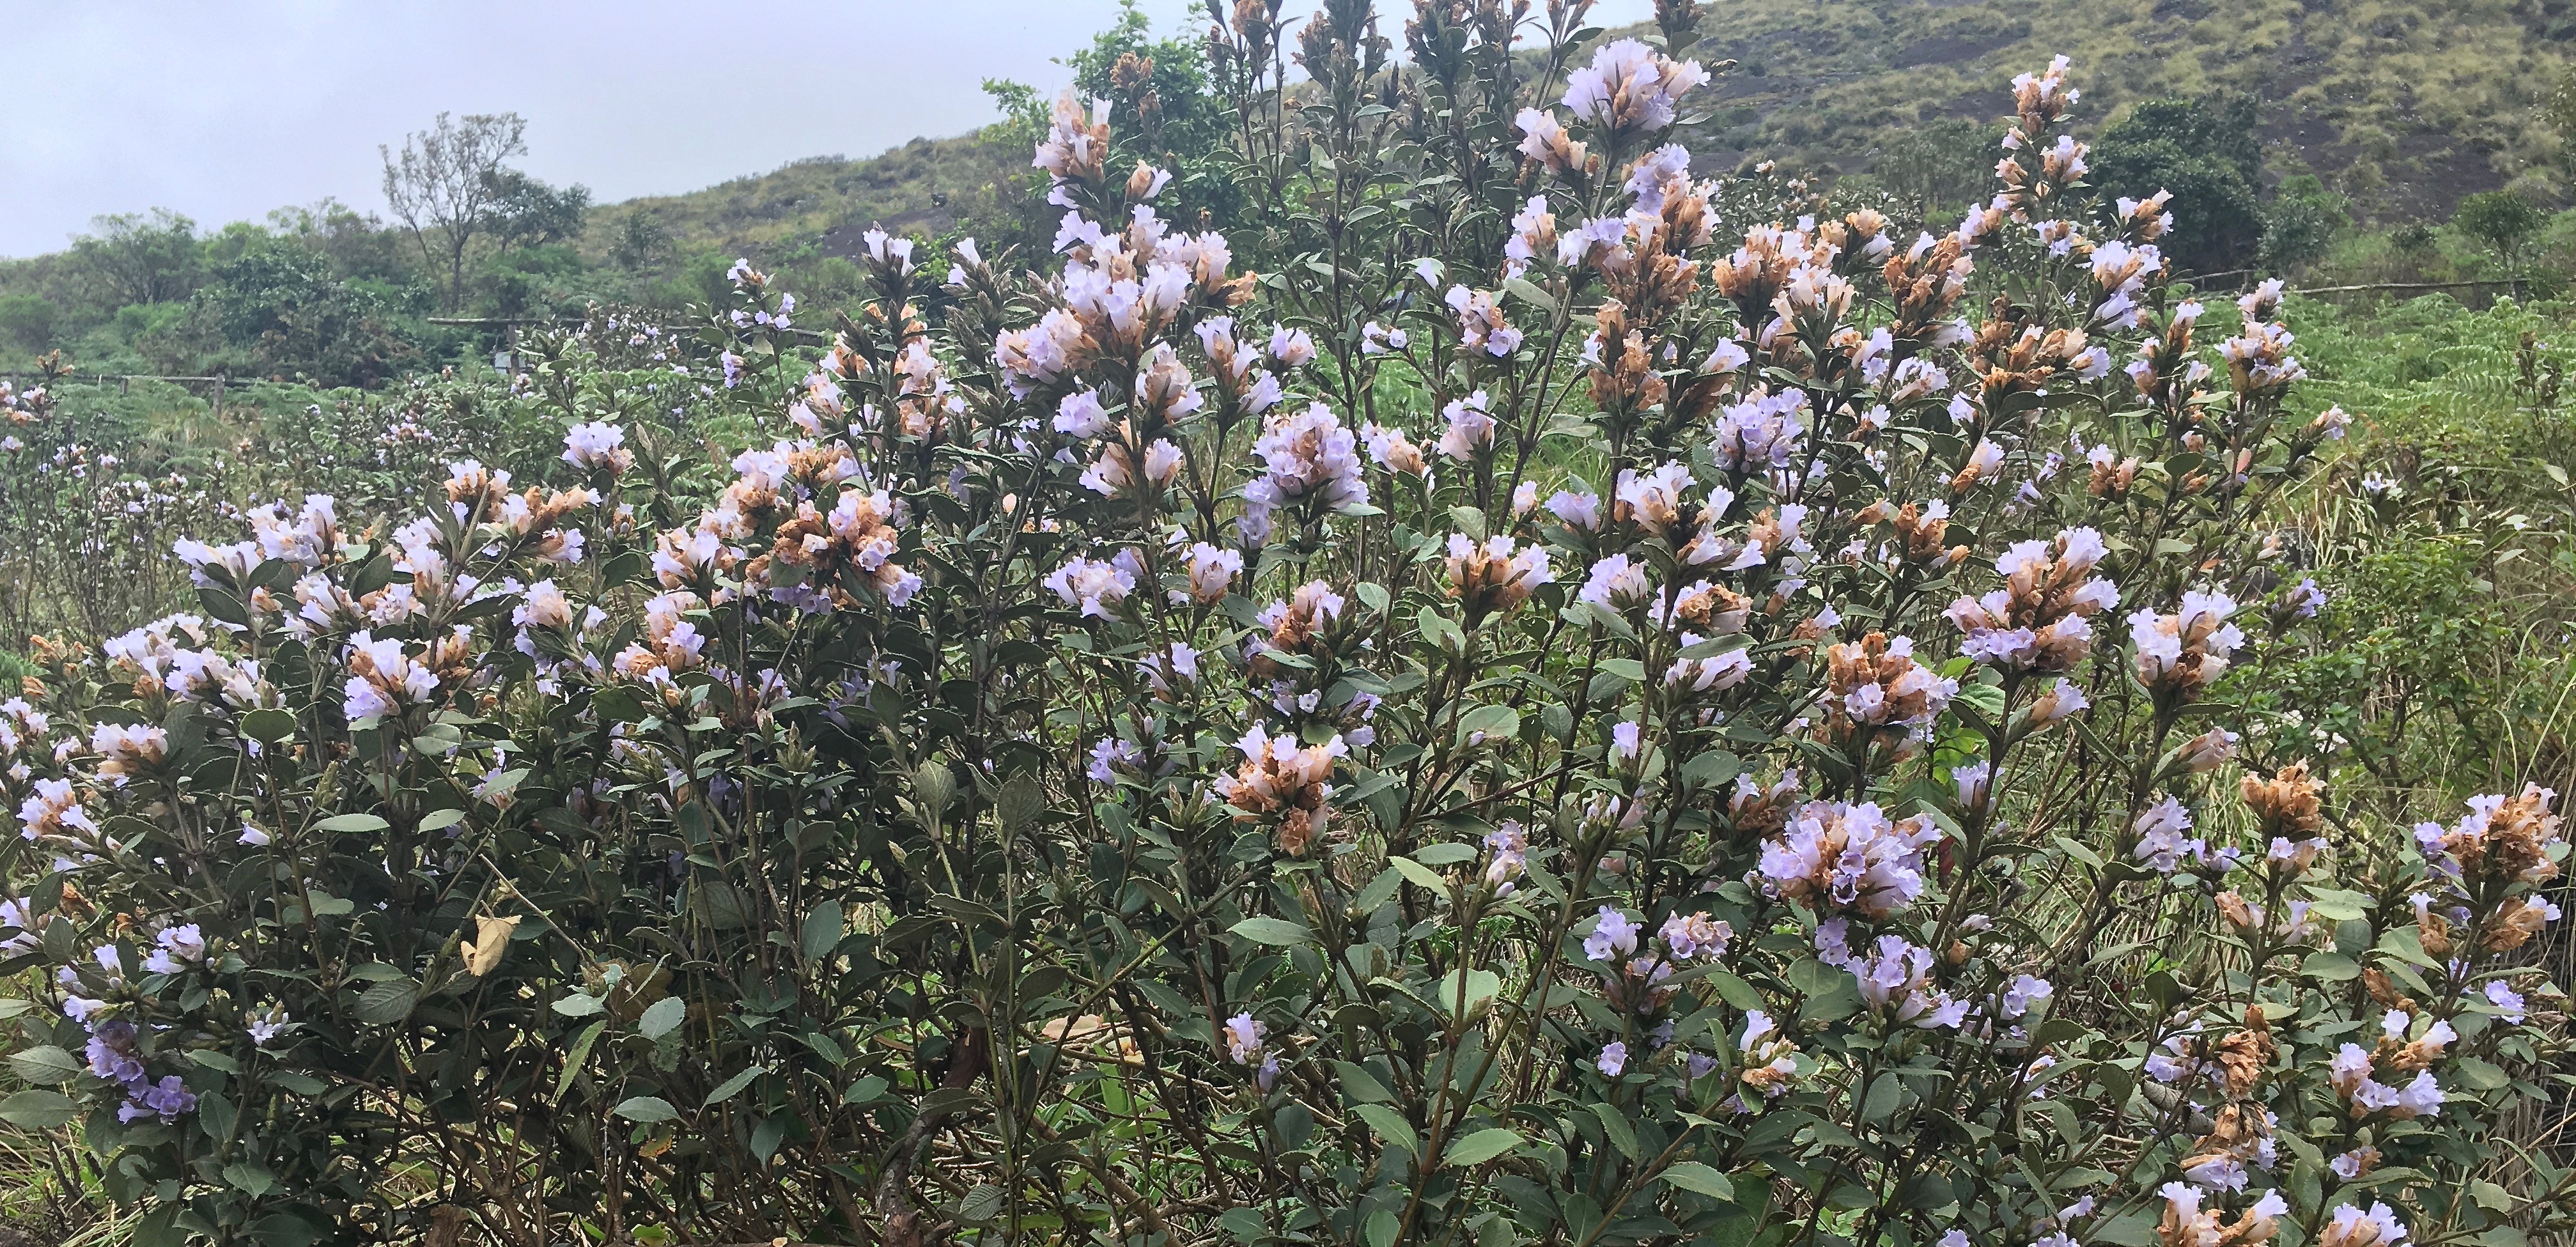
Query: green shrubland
1380, 659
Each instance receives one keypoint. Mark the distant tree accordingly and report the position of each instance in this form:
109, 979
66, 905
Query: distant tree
1024, 111
140, 257
641, 240
1943, 164
528, 213
1163, 109
27, 321
2301, 222
2501, 220
359, 245
443, 186
2204, 151
2557, 110
281, 310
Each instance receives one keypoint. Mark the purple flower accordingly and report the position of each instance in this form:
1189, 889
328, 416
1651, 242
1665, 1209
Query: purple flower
167, 1099
2506, 1000
1614, 936
111, 1053
1614, 1058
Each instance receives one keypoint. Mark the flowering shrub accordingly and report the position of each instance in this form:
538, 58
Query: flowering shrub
1571, 710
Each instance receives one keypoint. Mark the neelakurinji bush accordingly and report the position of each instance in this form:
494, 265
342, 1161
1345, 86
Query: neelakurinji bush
1581, 708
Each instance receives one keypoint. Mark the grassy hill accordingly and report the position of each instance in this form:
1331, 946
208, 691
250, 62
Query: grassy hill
2404, 106
826, 201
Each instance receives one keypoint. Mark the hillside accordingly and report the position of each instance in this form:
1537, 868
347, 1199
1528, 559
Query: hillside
827, 200
2402, 105
2402, 109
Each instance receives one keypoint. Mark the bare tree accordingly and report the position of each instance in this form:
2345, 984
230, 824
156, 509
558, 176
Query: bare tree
444, 185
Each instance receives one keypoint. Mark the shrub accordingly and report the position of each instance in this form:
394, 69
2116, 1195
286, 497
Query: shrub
1530, 722
2502, 220
2204, 154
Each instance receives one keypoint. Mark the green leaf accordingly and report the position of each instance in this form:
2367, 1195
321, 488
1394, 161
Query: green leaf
1735, 991
1699, 1179
822, 930
1986, 699
1712, 767
733, 1086
1278, 932
1390, 1125
284, 1229
441, 820
1472, 988
647, 1109
1419, 875
2337, 904
250, 1178
1468, 1151
1244, 1225
579, 1005
663, 1016
356, 824
1494, 723
46, 1065
1530, 293
1021, 805
982, 1204
2136, 1229
268, 725
1614, 1123
1440, 632
386, 1003
2477, 1075
1360, 1085
160, 1228
38, 1110
573, 1060
1882, 1100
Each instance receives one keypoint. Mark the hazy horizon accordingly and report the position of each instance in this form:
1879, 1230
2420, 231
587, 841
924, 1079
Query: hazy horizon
630, 100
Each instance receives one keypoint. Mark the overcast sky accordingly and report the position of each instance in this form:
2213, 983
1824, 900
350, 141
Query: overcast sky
225, 110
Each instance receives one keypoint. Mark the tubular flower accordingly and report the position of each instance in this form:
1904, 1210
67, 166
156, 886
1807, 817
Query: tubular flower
1278, 774
1630, 88
1495, 574
2182, 653
1876, 682
2039, 620
1850, 857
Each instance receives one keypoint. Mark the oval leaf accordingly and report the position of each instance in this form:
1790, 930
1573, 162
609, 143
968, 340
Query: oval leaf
38, 1110
663, 1017
1278, 932
1699, 1179
45, 1065
1483, 1145
648, 1109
